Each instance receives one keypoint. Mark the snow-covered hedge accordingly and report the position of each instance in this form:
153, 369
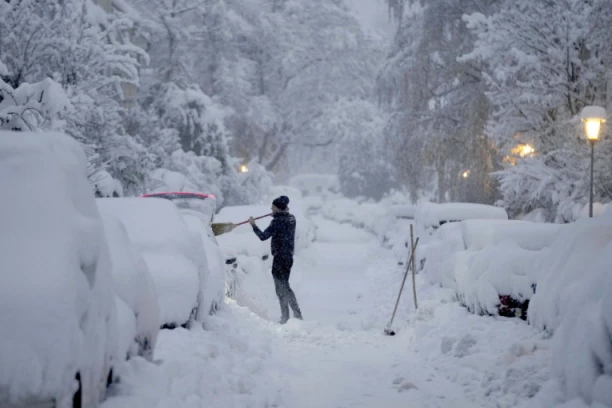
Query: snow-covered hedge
57, 305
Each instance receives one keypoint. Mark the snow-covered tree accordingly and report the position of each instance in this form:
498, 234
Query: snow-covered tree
545, 61
436, 102
361, 158
86, 51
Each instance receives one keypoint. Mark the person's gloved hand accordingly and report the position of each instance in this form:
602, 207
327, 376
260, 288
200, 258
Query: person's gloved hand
251, 220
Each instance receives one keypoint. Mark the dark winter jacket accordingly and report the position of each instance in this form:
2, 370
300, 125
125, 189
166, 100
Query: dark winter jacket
282, 231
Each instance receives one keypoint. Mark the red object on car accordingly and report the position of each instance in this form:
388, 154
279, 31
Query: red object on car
180, 194
203, 203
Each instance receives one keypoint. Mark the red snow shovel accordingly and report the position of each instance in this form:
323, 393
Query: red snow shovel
388, 330
223, 227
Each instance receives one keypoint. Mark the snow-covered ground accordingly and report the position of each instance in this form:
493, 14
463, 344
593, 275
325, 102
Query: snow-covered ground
346, 283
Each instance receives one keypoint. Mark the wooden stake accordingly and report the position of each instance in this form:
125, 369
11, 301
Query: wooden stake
412, 246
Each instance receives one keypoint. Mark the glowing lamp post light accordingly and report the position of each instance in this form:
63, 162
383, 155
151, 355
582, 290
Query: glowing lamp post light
244, 169
593, 117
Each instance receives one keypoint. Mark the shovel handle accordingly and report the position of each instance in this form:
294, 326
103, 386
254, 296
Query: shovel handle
258, 218
399, 295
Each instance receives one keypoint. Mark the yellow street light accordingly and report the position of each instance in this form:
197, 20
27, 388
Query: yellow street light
244, 169
593, 117
465, 174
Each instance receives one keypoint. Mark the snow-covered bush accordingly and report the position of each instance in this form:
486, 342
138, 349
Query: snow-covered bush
57, 305
134, 285
73, 50
176, 261
31, 107
573, 301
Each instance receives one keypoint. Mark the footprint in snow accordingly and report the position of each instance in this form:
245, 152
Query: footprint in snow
407, 386
404, 385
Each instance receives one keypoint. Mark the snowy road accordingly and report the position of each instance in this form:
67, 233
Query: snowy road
338, 357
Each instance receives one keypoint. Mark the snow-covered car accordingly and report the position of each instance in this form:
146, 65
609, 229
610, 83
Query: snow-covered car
430, 216
57, 305
198, 211
138, 306
489, 264
177, 262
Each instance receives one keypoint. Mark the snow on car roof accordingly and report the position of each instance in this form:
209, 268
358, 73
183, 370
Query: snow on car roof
180, 194
433, 213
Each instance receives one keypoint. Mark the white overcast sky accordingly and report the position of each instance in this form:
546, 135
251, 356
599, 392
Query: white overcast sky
374, 16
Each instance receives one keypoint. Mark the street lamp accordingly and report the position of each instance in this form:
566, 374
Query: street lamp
593, 117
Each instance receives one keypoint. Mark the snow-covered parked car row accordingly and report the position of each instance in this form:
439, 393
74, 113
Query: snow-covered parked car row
87, 283
60, 337
557, 276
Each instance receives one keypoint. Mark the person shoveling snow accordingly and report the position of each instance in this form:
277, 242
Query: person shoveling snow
282, 232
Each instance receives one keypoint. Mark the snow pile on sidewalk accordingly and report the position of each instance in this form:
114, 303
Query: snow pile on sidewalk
573, 301
57, 310
225, 365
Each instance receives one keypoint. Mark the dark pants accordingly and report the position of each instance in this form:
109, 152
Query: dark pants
281, 269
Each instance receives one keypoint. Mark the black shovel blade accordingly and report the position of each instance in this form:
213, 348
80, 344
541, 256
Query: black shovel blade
389, 332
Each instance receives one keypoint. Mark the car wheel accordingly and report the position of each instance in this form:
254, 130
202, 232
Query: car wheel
77, 398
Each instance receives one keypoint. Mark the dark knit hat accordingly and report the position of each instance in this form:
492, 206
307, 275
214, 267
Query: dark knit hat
281, 202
